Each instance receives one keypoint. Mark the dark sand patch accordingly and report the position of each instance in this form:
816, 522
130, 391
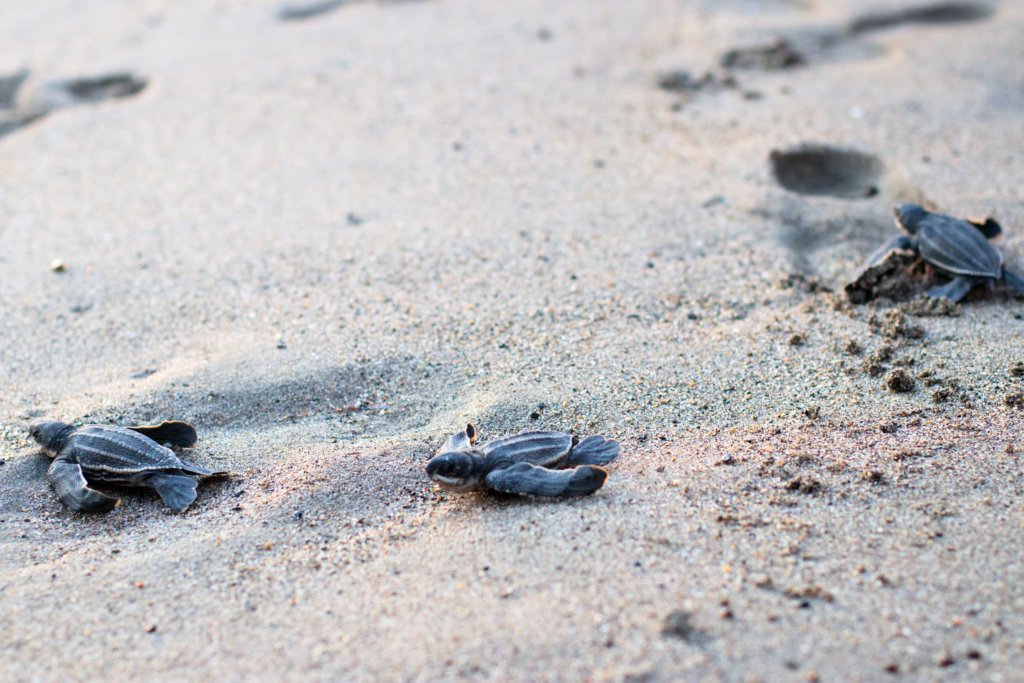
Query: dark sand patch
682, 81
778, 55
358, 389
895, 277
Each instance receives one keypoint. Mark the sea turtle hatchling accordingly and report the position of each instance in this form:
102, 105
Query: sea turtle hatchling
133, 456
541, 464
955, 247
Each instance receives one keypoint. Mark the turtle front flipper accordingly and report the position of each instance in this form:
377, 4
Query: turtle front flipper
529, 480
73, 490
955, 290
1016, 282
900, 242
593, 450
174, 432
459, 441
176, 490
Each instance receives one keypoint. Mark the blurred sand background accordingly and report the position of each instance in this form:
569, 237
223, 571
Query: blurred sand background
330, 240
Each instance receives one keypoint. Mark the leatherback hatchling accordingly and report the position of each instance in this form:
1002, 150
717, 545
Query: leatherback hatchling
133, 456
955, 247
541, 464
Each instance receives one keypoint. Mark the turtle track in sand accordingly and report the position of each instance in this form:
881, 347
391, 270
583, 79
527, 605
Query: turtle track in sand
937, 13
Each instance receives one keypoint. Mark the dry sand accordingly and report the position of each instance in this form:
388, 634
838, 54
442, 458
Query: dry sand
331, 241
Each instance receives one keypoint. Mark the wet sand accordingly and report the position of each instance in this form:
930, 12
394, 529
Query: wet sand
329, 241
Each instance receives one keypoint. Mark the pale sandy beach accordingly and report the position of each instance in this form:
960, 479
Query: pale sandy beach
331, 236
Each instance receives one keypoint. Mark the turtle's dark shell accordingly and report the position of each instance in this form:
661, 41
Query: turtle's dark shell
110, 452
955, 246
544, 449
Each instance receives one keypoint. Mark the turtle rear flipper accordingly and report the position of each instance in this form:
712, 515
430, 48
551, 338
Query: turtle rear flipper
180, 434
594, 450
1016, 282
529, 480
73, 490
200, 471
990, 228
177, 490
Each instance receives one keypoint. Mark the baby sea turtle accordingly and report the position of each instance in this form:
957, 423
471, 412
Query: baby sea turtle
134, 456
543, 464
955, 247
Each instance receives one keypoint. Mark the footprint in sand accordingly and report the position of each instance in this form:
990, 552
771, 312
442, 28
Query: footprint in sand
842, 44
938, 13
20, 106
312, 10
827, 171
309, 10
81, 90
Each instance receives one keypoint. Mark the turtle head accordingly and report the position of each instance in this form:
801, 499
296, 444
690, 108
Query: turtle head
51, 435
454, 470
909, 217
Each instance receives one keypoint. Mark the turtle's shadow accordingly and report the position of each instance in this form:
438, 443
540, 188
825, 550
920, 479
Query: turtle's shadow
210, 488
825, 247
495, 500
22, 477
349, 392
